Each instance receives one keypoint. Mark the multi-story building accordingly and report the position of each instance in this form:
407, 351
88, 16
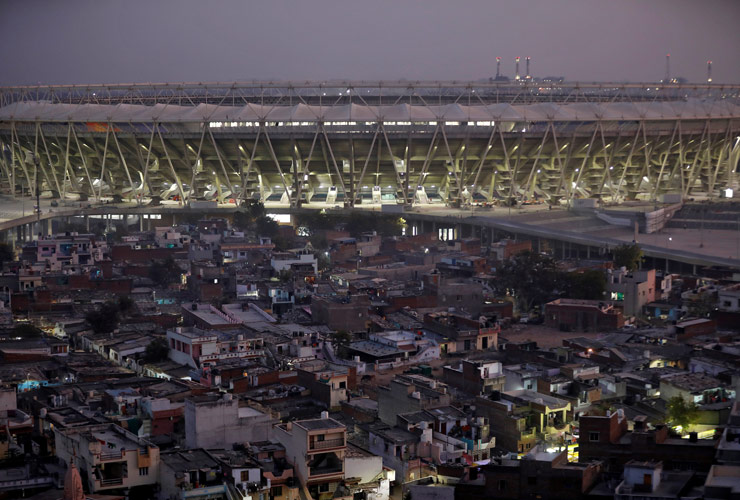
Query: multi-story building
218, 421
108, 457
582, 315
348, 313
190, 475
61, 250
200, 348
632, 289
328, 382
476, 377
463, 334
317, 448
607, 438
409, 393
521, 419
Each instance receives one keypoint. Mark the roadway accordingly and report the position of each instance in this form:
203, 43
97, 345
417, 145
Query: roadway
691, 246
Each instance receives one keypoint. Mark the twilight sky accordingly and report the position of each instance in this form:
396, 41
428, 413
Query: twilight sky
107, 41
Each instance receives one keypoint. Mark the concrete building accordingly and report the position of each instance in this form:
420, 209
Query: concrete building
317, 450
200, 348
539, 474
328, 382
582, 315
607, 438
475, 377
632, 289
348, 313
108, 457
463, 334
698, 388
214, 421
190, 475
519, 419
409, 393
648, 480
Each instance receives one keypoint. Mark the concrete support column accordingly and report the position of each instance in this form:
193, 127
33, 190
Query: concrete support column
87, 223
141, 222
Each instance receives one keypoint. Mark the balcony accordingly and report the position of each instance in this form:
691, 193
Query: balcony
329, 443
111, 456
107, 483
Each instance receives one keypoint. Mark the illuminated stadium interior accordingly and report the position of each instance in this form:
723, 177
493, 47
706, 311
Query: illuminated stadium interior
370, 143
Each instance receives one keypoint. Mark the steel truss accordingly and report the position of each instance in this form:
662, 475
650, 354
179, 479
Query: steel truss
399, 162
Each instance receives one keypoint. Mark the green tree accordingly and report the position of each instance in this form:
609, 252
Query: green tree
531, 278
104, 319
26, 331
6, 253
319, 241
628, 255
165, 272
125, 305
266, 226
157, 350
588, 285
703, 306
682, 413
256, 209
243, 220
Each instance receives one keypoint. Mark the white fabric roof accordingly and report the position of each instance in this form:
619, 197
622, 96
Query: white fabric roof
672, 110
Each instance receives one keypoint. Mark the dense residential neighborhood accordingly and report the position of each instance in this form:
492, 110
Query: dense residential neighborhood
335, 356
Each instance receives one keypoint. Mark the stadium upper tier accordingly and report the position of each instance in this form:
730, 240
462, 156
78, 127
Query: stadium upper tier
388, 143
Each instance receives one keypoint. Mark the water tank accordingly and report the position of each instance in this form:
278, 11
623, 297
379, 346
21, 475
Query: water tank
324, 415
42, 413
416, 395
227, 397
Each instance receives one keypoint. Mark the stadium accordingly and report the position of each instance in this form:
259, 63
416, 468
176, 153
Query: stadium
370, 143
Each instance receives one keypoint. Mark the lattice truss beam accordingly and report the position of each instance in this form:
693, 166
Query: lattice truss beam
371, 163
445, 159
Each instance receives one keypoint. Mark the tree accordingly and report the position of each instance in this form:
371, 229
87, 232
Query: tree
6, 253
531, 278
157, 350
266, 226
162, 273
681, 412
243, 220
588, 285
628, 255
125, 305
703, 306
26, 331
104, 319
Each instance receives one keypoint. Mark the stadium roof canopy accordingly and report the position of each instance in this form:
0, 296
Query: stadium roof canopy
125, 113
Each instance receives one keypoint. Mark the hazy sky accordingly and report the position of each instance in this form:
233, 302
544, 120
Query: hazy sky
96, 41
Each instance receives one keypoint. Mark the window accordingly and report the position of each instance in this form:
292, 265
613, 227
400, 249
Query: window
593, 436
244, 476
143, 471
342, 385
277, 491
501, 484
323, 488
320, 437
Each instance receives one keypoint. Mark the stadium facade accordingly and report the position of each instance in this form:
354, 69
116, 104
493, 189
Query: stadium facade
357, 143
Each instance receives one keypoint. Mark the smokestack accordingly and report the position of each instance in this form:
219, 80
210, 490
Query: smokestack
667, 78
498, 67
517, 77
709, 71
529, 75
